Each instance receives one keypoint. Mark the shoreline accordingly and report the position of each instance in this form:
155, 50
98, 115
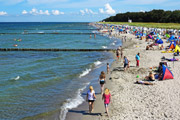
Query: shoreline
81, 112
99, 110
137, 101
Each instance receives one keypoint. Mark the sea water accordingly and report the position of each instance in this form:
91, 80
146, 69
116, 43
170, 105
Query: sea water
34, 84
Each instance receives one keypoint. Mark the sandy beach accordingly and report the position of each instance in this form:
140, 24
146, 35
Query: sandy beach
130, 101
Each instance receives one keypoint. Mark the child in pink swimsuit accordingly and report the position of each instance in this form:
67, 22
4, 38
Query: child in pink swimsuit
107, 99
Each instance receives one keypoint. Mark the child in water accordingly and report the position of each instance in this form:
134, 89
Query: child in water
107, 99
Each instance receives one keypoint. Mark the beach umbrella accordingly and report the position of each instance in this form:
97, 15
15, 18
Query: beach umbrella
159, 41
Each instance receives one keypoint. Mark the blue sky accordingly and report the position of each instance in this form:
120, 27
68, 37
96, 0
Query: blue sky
75, 10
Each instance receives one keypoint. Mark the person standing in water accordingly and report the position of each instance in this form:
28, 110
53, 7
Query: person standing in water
107, 99
91, 98
102, 81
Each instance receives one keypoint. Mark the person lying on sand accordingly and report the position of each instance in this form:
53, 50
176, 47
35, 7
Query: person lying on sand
144, 82
172, 59
150, 77
150, 47
169, 50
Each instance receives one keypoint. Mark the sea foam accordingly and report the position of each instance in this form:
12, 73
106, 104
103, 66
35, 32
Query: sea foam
17, 78
84, 73
72, 103
104, 47
97, 63
40, 32
113, 43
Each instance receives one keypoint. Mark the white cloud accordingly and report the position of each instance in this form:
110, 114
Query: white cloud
87, 11
109, 9
57, 12
24, 12
46, 12
34, 11
101, 10
82, 12
90, 11
3, 13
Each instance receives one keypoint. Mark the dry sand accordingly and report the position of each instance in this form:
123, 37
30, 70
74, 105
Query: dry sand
136, 101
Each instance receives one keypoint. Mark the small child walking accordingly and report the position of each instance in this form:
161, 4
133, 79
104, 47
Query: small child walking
107, 99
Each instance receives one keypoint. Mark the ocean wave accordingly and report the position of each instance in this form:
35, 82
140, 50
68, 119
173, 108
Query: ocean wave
16, 78
41, 32
97, 63
72, 103
104, 47
113, 43
84, 73
94, 31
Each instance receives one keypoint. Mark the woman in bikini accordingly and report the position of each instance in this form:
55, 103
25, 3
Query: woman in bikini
102, 80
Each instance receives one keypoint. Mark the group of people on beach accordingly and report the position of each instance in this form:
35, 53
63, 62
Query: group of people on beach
148, 80
91, 97
126, 62
106, 95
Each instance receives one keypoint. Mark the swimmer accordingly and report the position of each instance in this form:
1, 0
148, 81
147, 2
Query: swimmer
15, 45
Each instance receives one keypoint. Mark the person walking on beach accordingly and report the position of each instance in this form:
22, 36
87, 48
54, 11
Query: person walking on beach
107, 99
91, 98
125, 38
107, 68
137, 59
125, 63
121, 53
102, 81
117, 53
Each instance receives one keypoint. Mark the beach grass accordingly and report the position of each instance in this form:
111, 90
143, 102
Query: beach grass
150, 25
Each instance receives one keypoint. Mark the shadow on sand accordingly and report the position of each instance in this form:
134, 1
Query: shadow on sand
83, 112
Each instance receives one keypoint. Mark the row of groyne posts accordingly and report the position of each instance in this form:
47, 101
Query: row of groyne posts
55, 49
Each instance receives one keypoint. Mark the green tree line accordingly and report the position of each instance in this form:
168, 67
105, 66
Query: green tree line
159, 16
